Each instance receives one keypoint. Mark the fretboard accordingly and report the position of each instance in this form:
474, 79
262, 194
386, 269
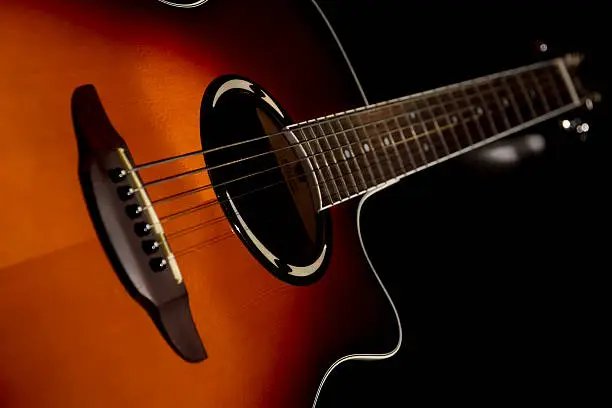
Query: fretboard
358, 150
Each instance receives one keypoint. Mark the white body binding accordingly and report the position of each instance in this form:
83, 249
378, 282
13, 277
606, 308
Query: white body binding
381, 356
394, 350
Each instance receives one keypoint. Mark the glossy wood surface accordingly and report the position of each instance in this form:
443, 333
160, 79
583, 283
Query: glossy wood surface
69, 333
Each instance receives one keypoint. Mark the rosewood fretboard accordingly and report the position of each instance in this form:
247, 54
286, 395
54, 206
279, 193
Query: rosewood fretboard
357, 150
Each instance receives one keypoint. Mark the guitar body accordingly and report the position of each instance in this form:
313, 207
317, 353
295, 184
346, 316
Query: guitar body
70, 334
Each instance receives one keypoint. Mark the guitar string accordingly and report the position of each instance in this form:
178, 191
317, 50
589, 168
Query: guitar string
300, 160
225, 235
291, 146
313, 172
327, 166
334, 134
214, 202
316, 138
344, 160
326, 120
203, 244
394, 157
315, 122
197, 246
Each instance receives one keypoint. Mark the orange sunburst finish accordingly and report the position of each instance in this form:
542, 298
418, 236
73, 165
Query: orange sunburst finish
69, 333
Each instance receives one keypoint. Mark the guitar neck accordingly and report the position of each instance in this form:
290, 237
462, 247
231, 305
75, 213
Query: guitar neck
358, 150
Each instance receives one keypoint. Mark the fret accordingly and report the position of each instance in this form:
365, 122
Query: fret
349, 154
557, 85
459, 111
522, 97
412, 145
337, 152
446, 126
508, 101
420, 133
370, 122
535, 101
320, 153
496, 110
489, 124
459, 130
326, 196
438, 140
377, 133
328, 174
425, 128
562, 87
540, 91
361, 157
470, 115
482, 112
403, 145
396, 139
368, 147
325, 139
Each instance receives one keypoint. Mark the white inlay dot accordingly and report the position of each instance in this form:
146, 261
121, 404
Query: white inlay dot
425, 147
387, 141
505, 102
366, 147
347, 153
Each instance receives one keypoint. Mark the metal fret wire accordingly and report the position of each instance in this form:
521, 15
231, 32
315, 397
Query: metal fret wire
320, 152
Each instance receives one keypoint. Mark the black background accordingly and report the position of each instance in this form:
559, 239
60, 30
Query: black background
500, 278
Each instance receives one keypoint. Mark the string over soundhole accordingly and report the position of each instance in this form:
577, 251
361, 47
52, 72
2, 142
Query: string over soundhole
270, 192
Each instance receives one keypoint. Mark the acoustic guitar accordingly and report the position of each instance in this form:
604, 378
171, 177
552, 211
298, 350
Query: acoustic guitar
182, 197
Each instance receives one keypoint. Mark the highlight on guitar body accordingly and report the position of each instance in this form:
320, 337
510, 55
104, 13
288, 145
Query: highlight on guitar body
199, 240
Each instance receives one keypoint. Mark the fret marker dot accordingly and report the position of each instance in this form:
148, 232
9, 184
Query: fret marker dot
366, 147
454, 119
347, 153
412, 115
505, 102
479, 110
387, 142
425, 147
